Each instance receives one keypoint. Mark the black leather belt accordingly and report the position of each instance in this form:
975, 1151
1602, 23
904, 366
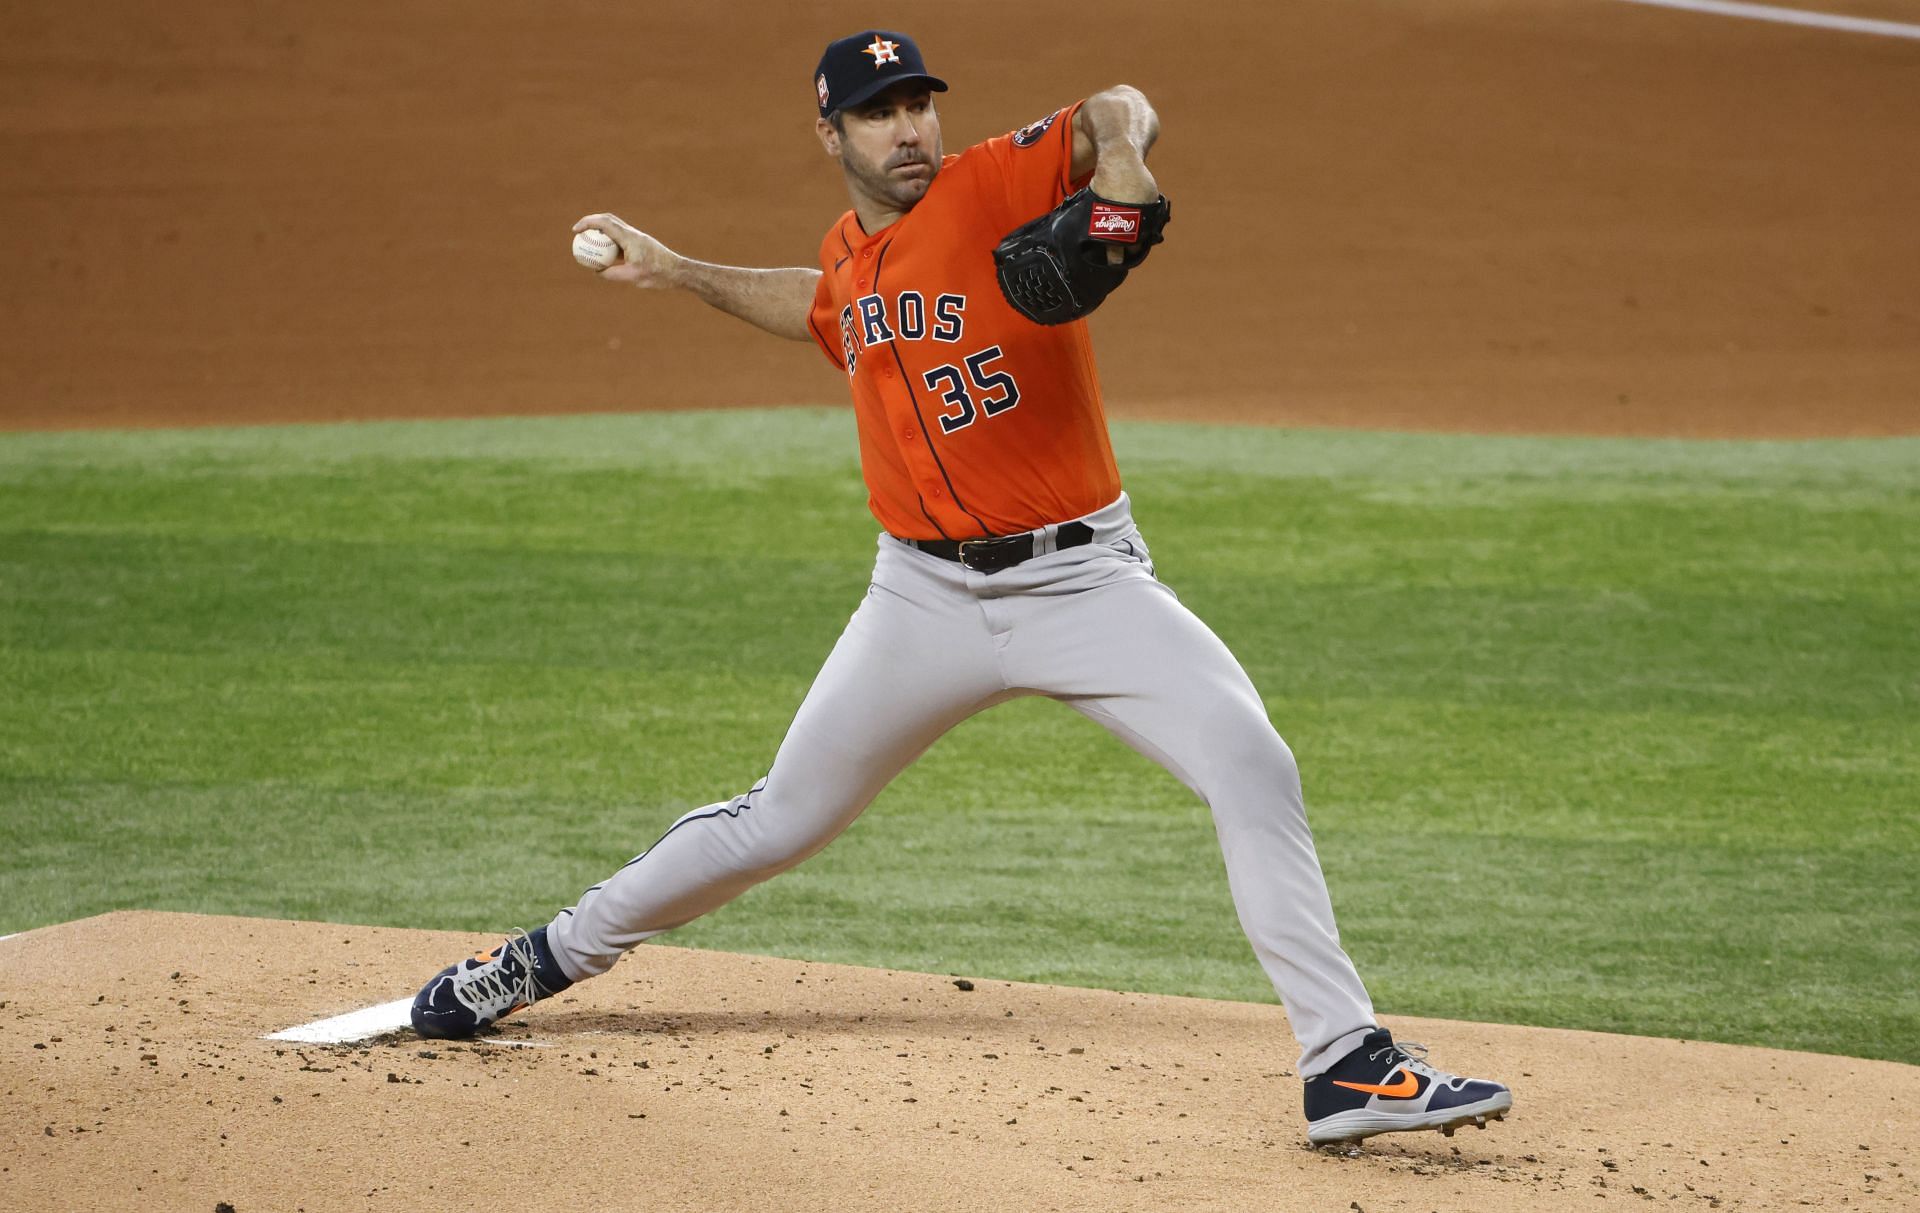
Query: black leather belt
998, 552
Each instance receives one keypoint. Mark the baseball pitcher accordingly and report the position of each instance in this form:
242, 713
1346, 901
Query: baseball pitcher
953, 297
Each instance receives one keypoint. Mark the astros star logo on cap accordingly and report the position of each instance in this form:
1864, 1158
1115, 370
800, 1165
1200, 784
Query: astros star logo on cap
882, 50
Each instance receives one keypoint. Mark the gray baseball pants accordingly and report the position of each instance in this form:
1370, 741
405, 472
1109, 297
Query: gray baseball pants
934, 643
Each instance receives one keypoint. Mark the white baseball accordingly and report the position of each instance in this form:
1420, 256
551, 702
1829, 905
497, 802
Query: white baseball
595, 249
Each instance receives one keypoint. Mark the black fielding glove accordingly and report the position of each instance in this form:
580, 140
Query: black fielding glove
1055, 268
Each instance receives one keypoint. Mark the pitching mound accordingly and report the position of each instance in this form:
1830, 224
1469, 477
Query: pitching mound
137, 1077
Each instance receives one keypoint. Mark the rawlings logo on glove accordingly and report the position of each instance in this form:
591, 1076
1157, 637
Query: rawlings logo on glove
1120, 224
1058, 267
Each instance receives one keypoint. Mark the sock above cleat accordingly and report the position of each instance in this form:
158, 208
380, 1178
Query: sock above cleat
546, 970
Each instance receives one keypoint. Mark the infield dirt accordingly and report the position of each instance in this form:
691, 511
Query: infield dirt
1499, 215
136, 1077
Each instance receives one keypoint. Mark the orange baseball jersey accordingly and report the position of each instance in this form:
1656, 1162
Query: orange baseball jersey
973, 419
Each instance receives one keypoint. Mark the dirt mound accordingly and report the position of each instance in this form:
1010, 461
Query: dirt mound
136, 1077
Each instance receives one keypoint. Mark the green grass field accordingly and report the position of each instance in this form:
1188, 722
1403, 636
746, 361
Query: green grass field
1608, 734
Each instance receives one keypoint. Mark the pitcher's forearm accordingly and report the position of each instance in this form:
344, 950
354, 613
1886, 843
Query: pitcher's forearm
776, 300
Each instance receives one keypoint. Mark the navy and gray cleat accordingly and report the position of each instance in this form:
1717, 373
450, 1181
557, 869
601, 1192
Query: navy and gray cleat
463, 998
1383, 1087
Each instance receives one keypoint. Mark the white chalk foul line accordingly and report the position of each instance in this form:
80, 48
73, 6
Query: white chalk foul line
4, 938
1790, 16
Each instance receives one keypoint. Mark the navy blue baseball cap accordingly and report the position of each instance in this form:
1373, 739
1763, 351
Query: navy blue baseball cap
854, 69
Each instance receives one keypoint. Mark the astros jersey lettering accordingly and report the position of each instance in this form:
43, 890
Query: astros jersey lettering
973, 420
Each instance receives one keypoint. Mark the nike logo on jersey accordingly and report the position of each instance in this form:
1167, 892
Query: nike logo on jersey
1406, 1088
839, 263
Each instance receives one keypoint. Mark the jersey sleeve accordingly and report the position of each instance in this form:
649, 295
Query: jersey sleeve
1034, 165
823, 321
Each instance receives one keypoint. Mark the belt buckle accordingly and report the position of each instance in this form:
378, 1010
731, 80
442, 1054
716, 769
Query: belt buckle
995, 553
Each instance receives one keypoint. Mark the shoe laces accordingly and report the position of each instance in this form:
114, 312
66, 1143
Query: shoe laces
1415, 1056
1411, 1050
493, 982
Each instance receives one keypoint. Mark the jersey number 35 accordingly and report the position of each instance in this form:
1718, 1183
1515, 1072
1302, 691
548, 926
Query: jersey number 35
997, 390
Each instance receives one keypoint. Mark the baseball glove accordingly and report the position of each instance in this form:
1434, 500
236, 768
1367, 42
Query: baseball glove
1055, 269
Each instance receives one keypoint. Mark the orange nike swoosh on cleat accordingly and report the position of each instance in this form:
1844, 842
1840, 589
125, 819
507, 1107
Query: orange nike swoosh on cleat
1406, 1088
483, 957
